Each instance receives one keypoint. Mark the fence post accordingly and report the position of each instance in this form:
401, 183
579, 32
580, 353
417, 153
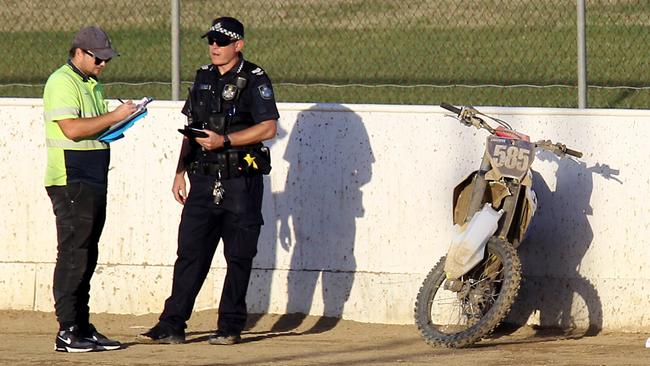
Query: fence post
176, 49
582, 56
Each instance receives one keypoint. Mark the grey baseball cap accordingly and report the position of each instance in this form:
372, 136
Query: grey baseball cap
95, 40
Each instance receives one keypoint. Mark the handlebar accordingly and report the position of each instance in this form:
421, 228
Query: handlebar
450, 108
557, 148
575, 153
468, 116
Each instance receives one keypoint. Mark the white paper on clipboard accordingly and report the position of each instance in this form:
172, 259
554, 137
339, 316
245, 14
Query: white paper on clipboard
116, 131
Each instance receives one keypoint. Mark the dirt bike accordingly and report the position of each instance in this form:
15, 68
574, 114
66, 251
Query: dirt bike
472, 288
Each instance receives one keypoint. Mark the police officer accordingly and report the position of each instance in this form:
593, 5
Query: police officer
231, 109
75, 114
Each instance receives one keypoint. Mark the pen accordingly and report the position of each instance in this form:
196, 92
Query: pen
121, 101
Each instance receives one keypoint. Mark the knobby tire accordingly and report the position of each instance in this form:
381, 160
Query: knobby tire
499, 309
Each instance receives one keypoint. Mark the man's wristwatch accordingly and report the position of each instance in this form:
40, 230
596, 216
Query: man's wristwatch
226, 142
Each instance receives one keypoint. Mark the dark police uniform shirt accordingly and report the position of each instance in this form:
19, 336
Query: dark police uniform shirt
255, 104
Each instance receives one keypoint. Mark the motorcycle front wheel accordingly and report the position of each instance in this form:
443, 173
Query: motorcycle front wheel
460, 318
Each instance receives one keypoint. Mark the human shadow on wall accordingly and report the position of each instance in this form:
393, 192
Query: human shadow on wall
330, 159
259, 292
551, 255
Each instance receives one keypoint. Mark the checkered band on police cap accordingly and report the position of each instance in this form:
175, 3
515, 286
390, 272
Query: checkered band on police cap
227, 26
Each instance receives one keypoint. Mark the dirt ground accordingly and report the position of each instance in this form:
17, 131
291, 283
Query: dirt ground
28, 338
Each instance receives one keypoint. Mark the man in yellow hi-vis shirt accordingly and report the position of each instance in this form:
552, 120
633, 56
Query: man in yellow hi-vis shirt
75, 114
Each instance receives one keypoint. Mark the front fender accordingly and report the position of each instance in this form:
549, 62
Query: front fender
467, 247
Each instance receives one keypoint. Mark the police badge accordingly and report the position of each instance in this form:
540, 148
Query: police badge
265, 92
229, 92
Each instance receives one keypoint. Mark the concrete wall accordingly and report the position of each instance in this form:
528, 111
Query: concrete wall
357, 210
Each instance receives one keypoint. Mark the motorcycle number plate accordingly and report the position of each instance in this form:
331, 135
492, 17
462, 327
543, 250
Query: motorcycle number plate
510, 157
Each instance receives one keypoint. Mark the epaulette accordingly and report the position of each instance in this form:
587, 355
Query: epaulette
253, 69
258, 71
205, 67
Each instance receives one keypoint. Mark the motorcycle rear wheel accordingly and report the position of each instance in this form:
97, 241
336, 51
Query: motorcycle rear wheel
459, 319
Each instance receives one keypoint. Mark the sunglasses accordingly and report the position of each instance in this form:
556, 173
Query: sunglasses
98, 61
221, 42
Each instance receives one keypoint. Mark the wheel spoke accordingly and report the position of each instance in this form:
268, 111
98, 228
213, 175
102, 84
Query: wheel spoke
459, 318
466, 307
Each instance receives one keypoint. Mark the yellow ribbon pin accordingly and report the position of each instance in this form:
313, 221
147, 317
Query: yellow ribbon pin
251, 161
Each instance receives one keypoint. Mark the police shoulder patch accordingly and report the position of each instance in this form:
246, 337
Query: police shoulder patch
265, 91
258, 71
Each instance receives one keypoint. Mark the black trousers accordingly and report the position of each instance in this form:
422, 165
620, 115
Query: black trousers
80, 211
202, 225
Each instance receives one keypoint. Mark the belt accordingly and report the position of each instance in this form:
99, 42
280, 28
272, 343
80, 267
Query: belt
234, 163
225, 164
215, 169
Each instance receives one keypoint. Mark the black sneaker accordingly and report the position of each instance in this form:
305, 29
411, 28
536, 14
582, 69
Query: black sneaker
103, 343
161, 335
70, 340
221, 337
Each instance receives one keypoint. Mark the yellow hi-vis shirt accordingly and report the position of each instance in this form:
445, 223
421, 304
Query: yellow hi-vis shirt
69, 94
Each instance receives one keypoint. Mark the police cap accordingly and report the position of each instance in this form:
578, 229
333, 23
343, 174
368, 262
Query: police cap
225, 28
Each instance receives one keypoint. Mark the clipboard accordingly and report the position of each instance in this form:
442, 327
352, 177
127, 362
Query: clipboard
116, 131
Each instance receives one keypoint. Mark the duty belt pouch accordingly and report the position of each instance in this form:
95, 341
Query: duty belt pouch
257, 161
234, 165
265, 158
267, 154
222, 161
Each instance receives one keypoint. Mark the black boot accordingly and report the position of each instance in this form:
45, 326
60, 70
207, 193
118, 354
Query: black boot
160, 334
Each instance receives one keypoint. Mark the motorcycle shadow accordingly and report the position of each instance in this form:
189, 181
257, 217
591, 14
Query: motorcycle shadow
509, 334
555, 300
552, 309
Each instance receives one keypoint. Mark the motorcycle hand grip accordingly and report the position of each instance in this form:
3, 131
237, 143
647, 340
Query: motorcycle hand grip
450, 107
575, 153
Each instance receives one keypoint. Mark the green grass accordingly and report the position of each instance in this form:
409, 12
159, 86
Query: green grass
402, 49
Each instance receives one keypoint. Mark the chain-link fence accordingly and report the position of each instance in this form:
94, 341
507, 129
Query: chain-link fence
488, 52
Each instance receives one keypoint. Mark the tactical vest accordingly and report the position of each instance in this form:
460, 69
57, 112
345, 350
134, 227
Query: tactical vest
215, 104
